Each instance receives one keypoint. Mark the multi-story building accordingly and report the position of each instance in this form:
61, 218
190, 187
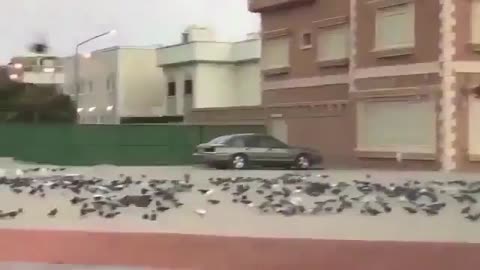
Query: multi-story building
203, 73
385, 83
115, 84
38, 69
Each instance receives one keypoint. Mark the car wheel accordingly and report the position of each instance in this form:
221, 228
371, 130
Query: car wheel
239, 162
303, 162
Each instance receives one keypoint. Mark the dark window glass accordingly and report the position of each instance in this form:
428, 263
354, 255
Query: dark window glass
270, 142
172, 89
237, 142
252, 141
188, 87
307, 39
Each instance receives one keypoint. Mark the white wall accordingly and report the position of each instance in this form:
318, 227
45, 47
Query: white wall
248, 84
141, 83
95, 70
179, 74
215, 85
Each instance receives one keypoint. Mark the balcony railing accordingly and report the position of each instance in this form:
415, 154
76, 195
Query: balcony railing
266, 5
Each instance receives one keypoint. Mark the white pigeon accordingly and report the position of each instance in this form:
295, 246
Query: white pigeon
201, 212
19, 172
43, 171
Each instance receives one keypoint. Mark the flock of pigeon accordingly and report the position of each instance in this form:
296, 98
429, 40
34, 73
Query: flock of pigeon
287, 195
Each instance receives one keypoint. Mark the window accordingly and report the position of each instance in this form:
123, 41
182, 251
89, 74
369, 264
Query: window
90, 86
252, 141
306, 40
395, 27
475, 22
276, 53
397, 126
185, 38
237, 142
333, 43
172, 89
270, 142
112, 82
188, 87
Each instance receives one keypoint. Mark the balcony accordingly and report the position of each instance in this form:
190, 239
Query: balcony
267, 5
206, 51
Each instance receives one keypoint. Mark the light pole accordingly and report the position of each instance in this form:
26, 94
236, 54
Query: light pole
76, 62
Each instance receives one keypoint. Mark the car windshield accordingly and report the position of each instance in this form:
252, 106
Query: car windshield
220, 140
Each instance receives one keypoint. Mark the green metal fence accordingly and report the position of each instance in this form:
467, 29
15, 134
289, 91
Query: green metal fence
81, 145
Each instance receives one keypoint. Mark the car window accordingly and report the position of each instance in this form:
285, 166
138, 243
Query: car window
237, 142
270, 142
252, 141
220, 140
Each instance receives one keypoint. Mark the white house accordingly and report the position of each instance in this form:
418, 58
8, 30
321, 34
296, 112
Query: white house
201, 72
38, 69
116, 83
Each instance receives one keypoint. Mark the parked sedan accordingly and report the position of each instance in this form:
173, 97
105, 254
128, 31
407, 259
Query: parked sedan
241, 151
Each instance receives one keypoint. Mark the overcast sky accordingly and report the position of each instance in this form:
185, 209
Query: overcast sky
63, 23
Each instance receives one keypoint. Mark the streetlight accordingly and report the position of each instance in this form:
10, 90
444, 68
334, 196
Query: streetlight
76, 61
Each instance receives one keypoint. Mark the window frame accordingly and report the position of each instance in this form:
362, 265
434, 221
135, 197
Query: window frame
324, 31
169, 89
272, 36
474, 21
303, 45
188, 82
408, 8
362, 130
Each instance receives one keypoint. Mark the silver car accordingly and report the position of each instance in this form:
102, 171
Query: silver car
241, 151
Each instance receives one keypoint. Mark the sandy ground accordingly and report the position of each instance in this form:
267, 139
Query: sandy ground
230, 219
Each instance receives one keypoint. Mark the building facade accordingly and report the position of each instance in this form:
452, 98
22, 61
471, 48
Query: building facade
202, 73
384, 83
37, 69
116, 83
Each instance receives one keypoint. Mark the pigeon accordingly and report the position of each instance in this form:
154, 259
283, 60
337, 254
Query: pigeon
112, 215
214, 202
410, 210
162, 208
206, 191
473, 217
77, 200
201, 212
53, 212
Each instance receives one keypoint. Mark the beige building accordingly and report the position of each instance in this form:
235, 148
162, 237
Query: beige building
203, 73
37, 69
116, 83
382, 83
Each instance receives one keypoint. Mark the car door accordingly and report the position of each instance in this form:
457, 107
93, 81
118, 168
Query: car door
253, 148
274, 150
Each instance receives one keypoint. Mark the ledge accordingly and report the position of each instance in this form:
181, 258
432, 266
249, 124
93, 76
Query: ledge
275, 71
383, 154
329, 22
409, 93
474, 157
343, 62
474, 46
271, 34
393, 52
379, 4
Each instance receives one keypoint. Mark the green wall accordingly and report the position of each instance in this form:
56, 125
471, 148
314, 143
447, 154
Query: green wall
78, 145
